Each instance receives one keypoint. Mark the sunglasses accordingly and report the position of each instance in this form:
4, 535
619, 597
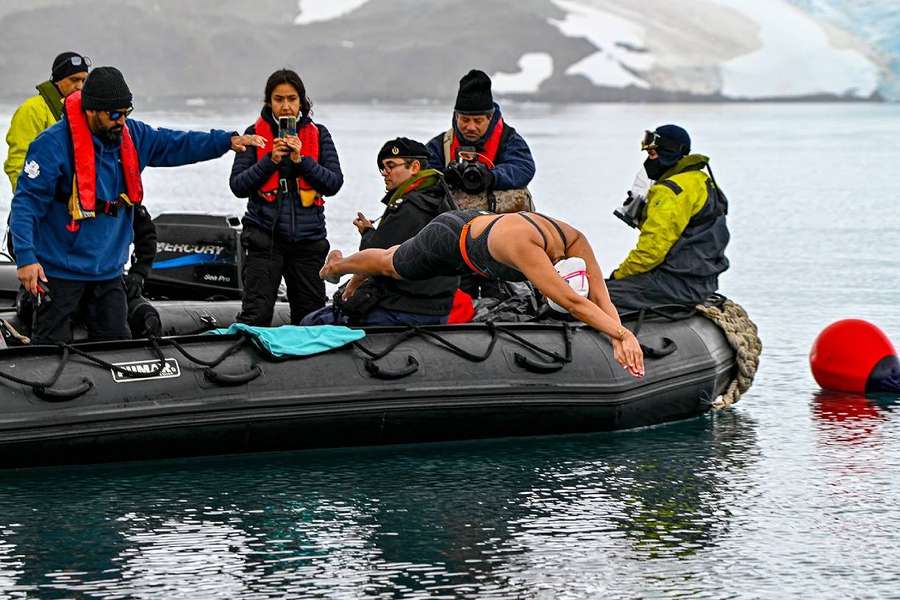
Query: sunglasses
80, 60
652, 141
115, 115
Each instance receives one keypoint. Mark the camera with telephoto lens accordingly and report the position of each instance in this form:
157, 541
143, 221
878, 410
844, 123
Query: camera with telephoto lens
632, 210
467, 173
287, 126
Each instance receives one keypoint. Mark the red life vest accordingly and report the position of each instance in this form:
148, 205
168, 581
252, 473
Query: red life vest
488, 154
309, 138
83, 201
462, 310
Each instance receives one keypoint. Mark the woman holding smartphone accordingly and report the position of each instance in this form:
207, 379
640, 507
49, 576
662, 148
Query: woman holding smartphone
285, 184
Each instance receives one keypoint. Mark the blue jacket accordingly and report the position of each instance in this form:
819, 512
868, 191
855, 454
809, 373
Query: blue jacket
287, 216
98, 250
514, 163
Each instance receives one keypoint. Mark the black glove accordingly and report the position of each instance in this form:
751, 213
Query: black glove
453, 175
134, 285
487, 177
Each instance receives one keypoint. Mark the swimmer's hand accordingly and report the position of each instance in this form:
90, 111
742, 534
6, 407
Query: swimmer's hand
628, 353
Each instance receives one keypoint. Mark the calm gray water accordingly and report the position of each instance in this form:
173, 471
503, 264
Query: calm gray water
791, 493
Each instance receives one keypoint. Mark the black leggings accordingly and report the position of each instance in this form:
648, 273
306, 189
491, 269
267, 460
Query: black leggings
266, 261
434, 250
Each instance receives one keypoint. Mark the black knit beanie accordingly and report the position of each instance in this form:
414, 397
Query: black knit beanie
474, 97
675, 143
64, 65
105, 89
404, 148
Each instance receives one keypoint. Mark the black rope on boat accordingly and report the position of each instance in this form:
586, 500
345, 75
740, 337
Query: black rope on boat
556, 360
46, 391
567, 339
414, 331
154, 343
210, 363
409, 333
43, 389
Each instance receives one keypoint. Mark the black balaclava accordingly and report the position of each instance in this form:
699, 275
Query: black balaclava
675, 144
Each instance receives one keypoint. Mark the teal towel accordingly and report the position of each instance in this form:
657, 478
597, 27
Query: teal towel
293, 340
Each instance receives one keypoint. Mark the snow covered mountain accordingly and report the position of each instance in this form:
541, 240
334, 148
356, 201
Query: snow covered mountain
729, 48
401, 50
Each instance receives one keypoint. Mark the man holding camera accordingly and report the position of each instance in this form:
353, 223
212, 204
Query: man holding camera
486, 163
681, 249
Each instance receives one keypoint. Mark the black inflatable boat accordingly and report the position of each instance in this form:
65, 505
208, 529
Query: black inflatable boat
220, 394
191, 394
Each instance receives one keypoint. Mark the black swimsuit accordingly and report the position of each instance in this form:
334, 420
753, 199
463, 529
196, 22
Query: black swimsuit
435, 250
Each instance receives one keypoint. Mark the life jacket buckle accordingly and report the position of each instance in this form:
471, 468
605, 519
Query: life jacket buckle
283, 185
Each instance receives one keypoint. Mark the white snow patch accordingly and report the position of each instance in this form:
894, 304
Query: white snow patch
796, 58
312, 11
616, 38
534, 68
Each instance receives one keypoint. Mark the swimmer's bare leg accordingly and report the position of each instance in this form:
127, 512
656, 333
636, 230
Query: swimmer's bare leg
372, 261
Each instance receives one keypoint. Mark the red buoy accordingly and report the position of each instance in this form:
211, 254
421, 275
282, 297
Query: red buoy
855, 356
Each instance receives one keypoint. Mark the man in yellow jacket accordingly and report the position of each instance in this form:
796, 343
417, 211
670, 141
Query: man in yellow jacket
39, 112
681, 248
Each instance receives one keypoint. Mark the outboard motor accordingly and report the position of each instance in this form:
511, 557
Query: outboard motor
198, 257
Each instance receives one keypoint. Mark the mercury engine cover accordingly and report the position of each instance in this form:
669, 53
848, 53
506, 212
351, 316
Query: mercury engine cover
198, 257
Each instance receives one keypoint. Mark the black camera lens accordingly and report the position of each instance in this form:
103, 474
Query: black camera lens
472, 178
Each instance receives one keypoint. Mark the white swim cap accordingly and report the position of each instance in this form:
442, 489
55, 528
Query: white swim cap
574, 272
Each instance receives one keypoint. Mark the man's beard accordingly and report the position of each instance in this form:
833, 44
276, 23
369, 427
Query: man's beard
111, 135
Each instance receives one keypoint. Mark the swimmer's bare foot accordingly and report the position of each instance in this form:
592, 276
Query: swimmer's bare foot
325, 272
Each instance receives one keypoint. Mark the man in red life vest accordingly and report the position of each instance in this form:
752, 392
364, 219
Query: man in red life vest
72, 212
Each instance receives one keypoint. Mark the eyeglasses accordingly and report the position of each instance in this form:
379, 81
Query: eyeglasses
386, 169
115, 115
80, 60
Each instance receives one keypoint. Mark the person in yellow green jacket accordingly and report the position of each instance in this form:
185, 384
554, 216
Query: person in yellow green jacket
681, 248
39, 112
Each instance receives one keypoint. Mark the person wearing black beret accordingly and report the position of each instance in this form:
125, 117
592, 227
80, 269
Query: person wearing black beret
414, 195
487, 163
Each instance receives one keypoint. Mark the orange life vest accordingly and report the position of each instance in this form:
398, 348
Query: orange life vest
83, 201
309, 138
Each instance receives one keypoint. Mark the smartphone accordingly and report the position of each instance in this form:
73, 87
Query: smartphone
287, 126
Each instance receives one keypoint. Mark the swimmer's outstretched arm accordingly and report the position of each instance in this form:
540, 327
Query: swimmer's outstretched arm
372, 261
533, 262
